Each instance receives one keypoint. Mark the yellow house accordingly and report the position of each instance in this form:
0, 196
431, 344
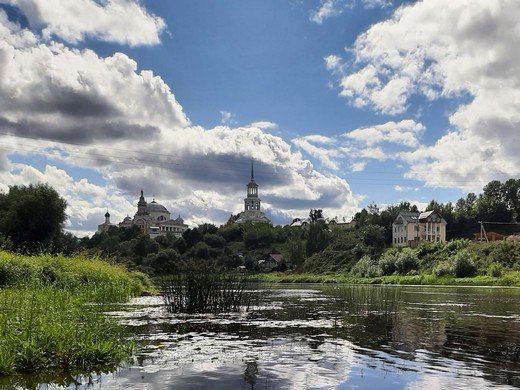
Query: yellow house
411, 227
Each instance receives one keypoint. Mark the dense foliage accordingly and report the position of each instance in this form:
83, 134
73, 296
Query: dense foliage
47, 319
498, 202
32, 216
363, 250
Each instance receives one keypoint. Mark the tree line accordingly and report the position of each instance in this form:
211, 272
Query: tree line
498, 202
32, 219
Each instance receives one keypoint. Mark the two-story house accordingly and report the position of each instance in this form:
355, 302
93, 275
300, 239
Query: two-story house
411, 227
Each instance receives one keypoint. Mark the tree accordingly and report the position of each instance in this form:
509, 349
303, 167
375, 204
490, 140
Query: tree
32, 216
318, 239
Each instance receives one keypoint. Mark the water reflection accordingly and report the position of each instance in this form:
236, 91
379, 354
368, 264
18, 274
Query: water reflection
322, 337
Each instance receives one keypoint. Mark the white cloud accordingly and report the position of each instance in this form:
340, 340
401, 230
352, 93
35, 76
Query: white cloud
414, 53
333, 62
405, 132
362, 144
265, 125
327, 9
324, 155
54, 92
370, 4
121, 21
358, 166
227, 118
126, 126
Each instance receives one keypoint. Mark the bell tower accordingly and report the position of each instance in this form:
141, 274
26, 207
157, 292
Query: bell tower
141, 205
252, 201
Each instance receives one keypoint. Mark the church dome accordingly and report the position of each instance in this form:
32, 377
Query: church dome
157, 207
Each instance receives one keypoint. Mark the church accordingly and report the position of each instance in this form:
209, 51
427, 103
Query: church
252, 211
152, 218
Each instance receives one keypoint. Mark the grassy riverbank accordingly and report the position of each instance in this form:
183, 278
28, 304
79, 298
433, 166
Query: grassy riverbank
511, 278
48, 319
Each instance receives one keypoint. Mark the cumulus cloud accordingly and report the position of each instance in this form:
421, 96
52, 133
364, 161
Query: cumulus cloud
414, 53
333, 62
362, 144
324, 155
228, 118
126, 126
329, 8
121, 21
265, 125
405, 132
55, 92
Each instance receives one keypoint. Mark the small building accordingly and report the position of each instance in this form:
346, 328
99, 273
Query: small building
411, 227
105, 225
334, 224
273, 261
489, 236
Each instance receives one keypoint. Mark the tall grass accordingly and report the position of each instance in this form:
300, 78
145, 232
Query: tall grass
364, 299
47, 319
46, 329
94, 279
205, 293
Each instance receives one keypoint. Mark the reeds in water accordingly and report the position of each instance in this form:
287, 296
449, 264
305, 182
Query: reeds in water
193, 292
364, 299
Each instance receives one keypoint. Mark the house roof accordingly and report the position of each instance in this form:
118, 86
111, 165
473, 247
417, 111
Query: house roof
411, 216
408, 216
276, 257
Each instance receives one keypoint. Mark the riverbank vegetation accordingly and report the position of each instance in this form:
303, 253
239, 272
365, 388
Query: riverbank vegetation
361, 251
206, 292
51, 313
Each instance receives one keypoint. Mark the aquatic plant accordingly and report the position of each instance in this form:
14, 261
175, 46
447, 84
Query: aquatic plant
204, 292
367, 299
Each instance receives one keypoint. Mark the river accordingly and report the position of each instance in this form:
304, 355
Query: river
323, 337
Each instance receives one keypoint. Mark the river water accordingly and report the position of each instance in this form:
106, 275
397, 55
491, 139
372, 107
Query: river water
322, 337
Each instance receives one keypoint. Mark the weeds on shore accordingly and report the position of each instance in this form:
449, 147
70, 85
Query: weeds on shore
51, 313
50, 329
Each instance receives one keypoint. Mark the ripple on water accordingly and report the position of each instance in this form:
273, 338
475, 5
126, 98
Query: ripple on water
301, 338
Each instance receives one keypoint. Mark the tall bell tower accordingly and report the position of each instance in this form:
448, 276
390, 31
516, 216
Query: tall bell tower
252, 201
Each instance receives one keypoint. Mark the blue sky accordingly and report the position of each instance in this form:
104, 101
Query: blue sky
340, 102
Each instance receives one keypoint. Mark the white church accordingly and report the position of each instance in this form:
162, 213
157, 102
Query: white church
152, 218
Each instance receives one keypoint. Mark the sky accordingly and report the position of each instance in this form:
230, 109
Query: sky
340, 103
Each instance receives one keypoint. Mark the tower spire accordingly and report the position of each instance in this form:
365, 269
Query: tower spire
252, 174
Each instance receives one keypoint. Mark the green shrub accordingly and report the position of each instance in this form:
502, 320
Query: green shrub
406, 261
495, 270
504, 252
388, 260
366, 268
5, 243
463, 265
444, 268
